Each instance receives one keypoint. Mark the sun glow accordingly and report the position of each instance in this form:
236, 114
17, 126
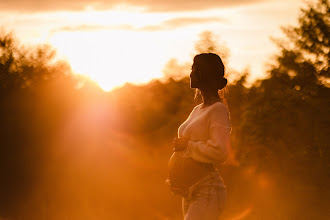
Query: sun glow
112, 58
111, 48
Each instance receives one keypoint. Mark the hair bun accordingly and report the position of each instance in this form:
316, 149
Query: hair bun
222, 83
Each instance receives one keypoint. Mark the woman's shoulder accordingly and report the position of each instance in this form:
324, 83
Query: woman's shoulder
194, 111
198, 106
219, 115
219, 107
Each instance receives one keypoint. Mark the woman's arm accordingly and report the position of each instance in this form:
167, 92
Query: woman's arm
216, 148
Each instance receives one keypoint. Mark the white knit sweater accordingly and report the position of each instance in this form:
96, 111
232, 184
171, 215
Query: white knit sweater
208, 131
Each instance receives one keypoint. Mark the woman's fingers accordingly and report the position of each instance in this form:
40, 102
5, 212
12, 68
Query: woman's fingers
180, 144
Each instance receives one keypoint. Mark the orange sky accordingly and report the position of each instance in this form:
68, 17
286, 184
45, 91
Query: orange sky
113, 42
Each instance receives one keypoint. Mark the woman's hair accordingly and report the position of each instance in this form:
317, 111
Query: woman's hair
211, 70
210, 62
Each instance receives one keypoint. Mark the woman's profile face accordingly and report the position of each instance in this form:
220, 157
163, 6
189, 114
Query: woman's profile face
194, 77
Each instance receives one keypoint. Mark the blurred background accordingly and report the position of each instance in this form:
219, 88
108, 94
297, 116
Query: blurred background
76, 146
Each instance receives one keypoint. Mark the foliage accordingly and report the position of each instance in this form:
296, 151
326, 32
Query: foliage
293, 95
26, 67
30, 112
309, 43
285, 124
208, 42
159, 108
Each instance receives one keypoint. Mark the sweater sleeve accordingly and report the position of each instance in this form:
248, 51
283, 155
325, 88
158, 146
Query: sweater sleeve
216, 148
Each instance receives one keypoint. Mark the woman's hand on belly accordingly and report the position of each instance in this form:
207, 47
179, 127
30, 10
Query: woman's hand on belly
180, 143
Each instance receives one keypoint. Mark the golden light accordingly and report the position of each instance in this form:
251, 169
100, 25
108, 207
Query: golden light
112, 49
112, 58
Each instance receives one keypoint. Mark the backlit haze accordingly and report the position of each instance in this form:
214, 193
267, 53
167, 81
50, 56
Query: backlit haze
114, 43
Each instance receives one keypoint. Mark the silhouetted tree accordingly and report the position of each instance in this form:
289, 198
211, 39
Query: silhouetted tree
208, 42
310, 42
285, 125
35, 93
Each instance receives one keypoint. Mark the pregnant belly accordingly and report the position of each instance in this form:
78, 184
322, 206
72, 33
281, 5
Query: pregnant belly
185, 171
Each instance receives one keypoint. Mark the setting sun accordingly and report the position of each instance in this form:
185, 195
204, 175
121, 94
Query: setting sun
113, 57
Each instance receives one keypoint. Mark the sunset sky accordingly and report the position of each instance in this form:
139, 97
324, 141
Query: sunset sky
118, 41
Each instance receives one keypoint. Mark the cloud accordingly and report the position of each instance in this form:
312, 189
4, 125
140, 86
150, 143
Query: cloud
93, 28
165, 25
149, 5
181, 22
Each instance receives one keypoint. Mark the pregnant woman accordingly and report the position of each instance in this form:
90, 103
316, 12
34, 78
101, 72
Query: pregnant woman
203, 142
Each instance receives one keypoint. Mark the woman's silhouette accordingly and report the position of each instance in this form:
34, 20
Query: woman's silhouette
202, 143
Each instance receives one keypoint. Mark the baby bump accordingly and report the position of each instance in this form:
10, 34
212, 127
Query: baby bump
184, 171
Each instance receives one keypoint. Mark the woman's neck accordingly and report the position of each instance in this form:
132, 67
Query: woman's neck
210, 98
